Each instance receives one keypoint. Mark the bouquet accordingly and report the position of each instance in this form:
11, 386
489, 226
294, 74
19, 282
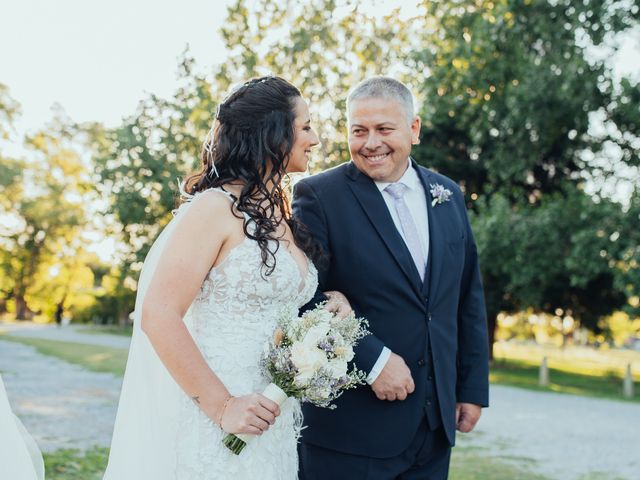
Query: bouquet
308, 359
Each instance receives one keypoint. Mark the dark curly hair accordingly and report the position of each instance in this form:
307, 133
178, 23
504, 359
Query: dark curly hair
250, 143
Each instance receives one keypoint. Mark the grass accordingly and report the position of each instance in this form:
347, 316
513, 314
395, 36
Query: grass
520, 374
574, 370
74, 465
469, 463
572, 359
599, 476
108, 329
92, 357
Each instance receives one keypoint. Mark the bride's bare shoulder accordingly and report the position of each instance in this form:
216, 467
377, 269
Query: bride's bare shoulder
209, 211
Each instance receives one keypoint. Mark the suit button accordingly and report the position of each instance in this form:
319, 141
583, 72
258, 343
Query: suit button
428, 403
421, 362
428, 316
430, 378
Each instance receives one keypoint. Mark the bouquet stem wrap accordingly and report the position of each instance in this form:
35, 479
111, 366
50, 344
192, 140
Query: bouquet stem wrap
236, 443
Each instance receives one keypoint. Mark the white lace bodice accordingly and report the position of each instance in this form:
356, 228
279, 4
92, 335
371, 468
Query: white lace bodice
231, 319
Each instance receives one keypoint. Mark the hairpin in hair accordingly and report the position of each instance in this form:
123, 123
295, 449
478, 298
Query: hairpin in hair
209, 150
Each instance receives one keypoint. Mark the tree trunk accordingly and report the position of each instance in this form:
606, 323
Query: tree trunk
23, 312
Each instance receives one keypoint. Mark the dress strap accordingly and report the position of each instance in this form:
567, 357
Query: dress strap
224, 192
187, 198
230, 197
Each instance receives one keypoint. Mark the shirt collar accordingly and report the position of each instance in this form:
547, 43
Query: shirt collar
409, 178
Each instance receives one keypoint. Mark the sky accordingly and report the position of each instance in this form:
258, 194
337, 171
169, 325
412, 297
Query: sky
97, 59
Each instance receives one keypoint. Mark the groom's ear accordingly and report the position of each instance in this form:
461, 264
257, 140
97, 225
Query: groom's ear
415, 131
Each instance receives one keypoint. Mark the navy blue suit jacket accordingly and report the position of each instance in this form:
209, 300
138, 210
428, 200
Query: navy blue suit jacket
368, 261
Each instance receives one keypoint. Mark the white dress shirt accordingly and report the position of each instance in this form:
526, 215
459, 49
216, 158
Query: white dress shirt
416, 200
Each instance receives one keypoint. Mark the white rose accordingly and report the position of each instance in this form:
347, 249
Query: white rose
345, 352
337, 367
315, 334
307, 360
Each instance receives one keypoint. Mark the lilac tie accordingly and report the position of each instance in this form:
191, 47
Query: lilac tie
411, 236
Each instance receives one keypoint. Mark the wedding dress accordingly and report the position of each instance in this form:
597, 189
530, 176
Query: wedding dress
159, 432
20, 457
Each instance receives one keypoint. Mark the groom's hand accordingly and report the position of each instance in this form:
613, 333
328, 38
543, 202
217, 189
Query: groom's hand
395, 381
467, 415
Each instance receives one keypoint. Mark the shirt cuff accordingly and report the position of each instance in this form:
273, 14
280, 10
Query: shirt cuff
379, 365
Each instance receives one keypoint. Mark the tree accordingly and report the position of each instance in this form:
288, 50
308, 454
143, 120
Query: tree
140, 162
43, 199
321, 51
9, 170
9, 109
510, 95
323, 47
557, 257
626, 255
510, 100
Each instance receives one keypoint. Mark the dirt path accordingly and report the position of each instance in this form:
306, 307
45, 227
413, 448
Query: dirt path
566, 437
61, 405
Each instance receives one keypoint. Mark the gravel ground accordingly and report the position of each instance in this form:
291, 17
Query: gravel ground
563, 437
61, 405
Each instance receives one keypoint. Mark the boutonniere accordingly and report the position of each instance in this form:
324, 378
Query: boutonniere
439, 194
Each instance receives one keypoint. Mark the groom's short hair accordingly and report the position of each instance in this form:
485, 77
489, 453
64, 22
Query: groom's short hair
387, 88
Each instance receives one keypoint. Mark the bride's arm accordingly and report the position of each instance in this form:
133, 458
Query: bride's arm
205, 230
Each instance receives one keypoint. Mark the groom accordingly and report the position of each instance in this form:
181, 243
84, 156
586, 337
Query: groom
398, 244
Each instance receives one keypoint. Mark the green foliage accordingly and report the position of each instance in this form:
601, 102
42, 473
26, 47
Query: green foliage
70, 464
510, 94
9, 109
113, 299
554, 256
510, 102
43, 199
620, 328
626, 255
511, 90
469, 463
323, 47
139, 163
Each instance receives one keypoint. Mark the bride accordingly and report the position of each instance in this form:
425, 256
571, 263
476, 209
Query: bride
20, 456
209, 294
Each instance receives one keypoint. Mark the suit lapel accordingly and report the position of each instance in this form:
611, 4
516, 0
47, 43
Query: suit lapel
375, 208
436, 239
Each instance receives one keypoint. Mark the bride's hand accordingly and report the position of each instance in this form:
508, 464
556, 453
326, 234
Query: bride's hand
337, 303
252, 414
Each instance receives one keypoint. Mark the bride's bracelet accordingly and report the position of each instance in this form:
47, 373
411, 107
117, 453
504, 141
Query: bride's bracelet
222, 410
